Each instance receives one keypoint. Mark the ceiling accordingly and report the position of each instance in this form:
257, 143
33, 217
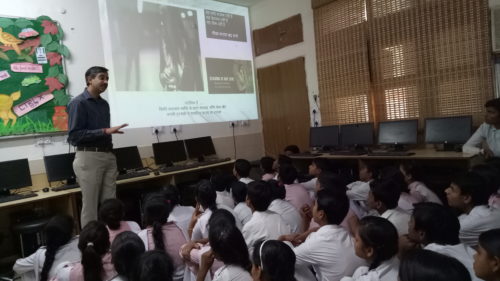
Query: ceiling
246, 3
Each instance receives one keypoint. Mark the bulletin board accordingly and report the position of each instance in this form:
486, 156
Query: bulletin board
33, 96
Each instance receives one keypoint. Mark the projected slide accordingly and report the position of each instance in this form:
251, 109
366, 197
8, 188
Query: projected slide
178, 62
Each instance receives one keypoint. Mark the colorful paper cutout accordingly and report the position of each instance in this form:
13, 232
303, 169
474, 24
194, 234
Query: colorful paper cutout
53, 84
4, 74
6, 102
10, 40
30, 80
26, 67
49, 27
32, 103
27, 32
54, 58
41, 57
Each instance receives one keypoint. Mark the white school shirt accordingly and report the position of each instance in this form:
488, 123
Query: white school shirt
289, 214
243, 213
422, 193
461, 252
246, 180
358, 190
487, 133
330, 252
480, 219
181, 215
224, 198
200, 229
386, 271
30, 267
232, 273
264, 225
406, 202
399, 219
310, 186
239, 225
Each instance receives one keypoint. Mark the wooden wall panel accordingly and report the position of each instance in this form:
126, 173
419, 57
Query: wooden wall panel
278, 35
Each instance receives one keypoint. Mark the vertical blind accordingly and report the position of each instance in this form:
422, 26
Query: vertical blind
403, 59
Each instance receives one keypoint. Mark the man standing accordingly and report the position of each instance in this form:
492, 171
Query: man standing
89, 130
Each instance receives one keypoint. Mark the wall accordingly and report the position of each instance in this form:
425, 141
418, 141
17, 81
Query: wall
268, 12
80, 22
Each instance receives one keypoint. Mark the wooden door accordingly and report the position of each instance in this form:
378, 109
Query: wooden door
284, 106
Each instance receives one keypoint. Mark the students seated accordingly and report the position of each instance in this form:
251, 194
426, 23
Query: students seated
284, 208
125, 251
420, 265
111, 213
317, 166
384, 197
296, 194
180, 215
266, 165
491, 174
154, 266
486, 133
435, 228
376, 241
241, 170
469, 195
273, 261
487, 259
61, 246
221, 182
291, 149
282, 160
414, 177
358, 191
241, 210
96, 263
264, 224
330, 250
227, 245
162, 235
393, 173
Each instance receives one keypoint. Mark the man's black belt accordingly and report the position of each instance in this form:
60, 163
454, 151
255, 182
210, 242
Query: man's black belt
93, 149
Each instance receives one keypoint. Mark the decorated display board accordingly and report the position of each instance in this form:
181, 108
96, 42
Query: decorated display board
33, 84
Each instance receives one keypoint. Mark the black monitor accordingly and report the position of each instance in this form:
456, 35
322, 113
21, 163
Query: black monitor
60, 167
326, 136
200, 147
166, 153
14, 174
356, 134
128, 158
448, 130
398, 132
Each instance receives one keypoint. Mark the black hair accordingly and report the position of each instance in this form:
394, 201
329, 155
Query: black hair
332, 182
419, 265
93, 72
266, 163
381, 235
277, 191
386, 191
490, 242
277, 260
393, 173
242, 167
322, 164
495, 103
111, 213
259, 194
414, 169
283, 159
221, 181
94, 244
205, 195
287, 173
239, 191
372, 166
439, 223
334, 205
226, 239
490, 174
125, 252
58, 231
154, 266
156, 212
292, 148
172, 195
474, 185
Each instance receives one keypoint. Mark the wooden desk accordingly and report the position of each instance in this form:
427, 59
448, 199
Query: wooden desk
420, 154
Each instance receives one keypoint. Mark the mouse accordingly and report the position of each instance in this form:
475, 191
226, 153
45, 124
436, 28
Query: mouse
45, 189
156, 173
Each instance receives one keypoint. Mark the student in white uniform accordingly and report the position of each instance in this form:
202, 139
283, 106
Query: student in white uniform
358, 191
154, 266
317, 166
296, 194
383, 197
377, 242
273, 260
241, 170
435, 228
469, 194
491, 174
266, 165
285, 209
221, 182
241, 210
228, 246
488, 133
420, 265
413, 176
125, 251
330, 250
60, 246
264, 224
180, 215
111, 213
487, 259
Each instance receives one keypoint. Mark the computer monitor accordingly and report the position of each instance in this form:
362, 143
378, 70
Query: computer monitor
60, 167
448, 130
356, 134
14, 174
200, 147
166, 153
326, 136
398, 132
128, 158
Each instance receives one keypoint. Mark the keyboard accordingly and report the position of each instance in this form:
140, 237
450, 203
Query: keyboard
348, 152
390, 153
65, 187
14, 197
133, 174
175, 168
